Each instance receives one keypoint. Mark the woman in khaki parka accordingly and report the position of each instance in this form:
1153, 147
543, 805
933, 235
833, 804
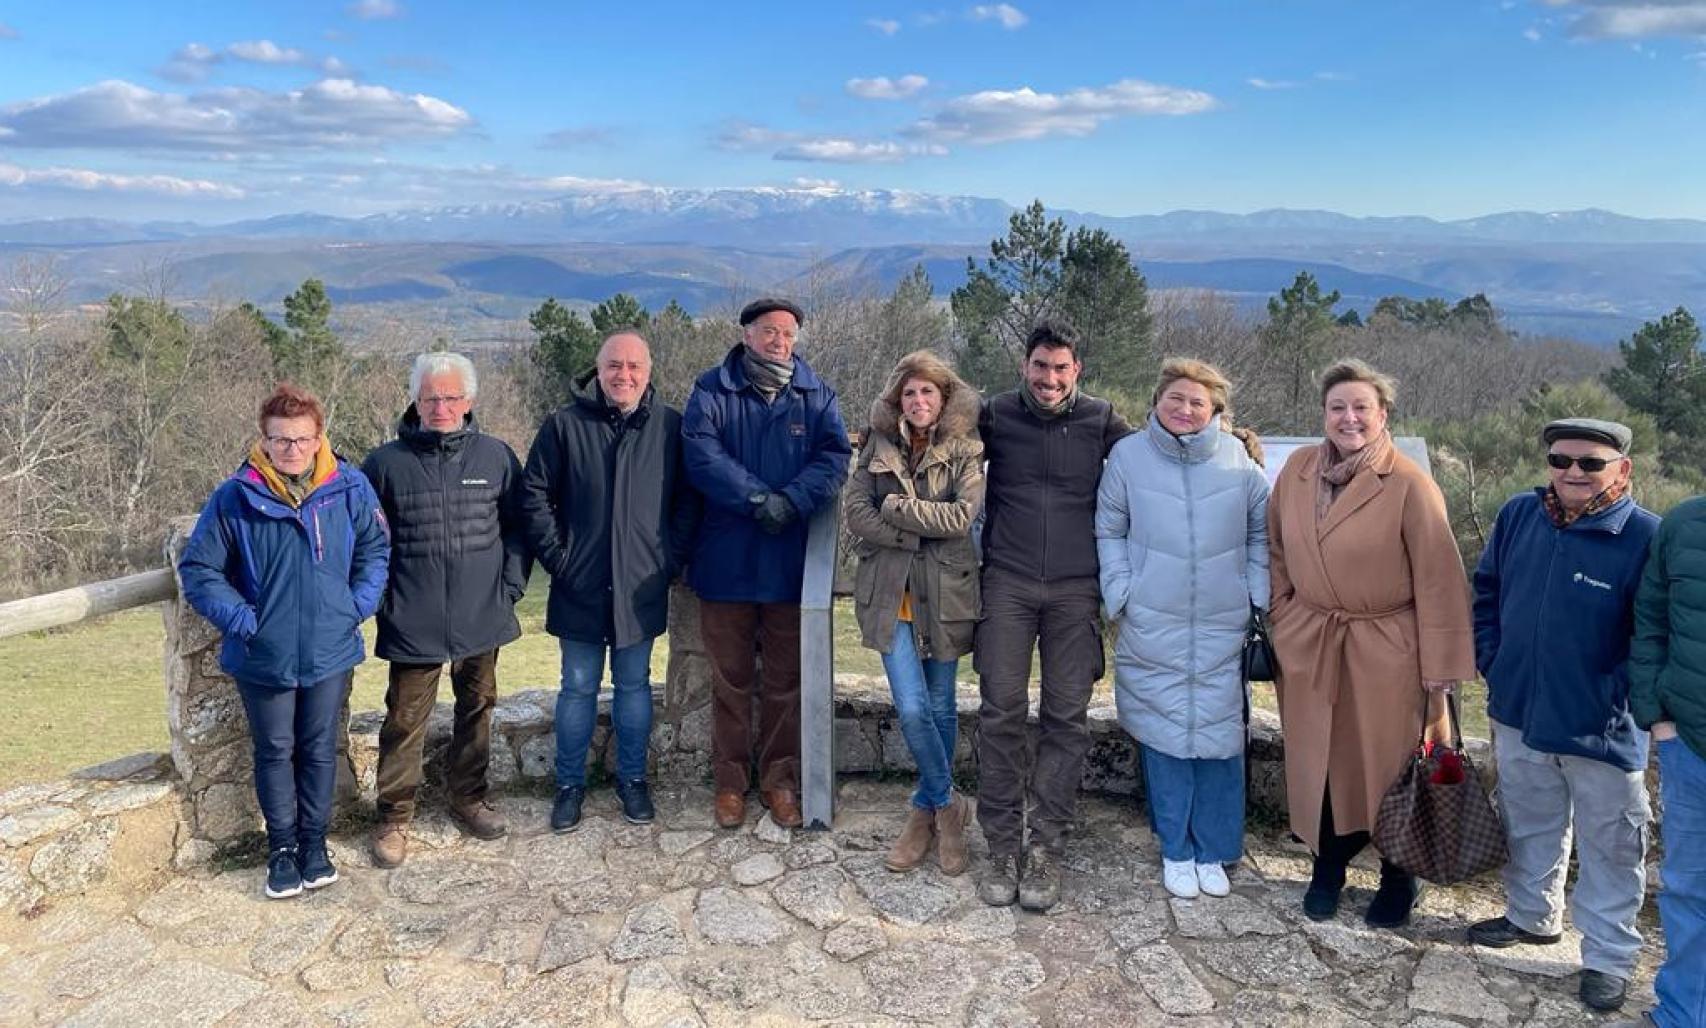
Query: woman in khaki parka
915, 491
1370, 622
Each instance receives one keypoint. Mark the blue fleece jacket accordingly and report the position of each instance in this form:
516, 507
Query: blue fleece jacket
1554, 612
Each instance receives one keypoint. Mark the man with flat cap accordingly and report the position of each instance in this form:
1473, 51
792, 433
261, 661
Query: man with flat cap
764, 444
1554, 611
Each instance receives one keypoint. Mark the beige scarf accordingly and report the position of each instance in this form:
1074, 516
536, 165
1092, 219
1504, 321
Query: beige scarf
1337, 470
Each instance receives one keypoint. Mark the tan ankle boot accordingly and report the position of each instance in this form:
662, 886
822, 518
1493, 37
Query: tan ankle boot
914, 841
951, 835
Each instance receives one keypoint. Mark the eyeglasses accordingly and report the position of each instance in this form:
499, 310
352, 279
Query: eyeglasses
440, 401
1591, 465
285, 442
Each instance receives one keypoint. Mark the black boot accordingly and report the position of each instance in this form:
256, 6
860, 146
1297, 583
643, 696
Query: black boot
1326, 882
1395, 898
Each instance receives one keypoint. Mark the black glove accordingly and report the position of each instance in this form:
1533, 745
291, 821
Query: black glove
775, 513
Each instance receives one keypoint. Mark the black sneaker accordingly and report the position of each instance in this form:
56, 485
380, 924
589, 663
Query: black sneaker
1603, 991
284, 876
316, 865
636, 797
566, 808
1499, 933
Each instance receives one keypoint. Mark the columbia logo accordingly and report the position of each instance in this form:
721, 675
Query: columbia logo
1588, 580
481, 481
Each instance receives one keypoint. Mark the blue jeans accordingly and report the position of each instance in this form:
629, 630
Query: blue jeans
1681, 985
1196, 806
630, 708
296, 750
929, 718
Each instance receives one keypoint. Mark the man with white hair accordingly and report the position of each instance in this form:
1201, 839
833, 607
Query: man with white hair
459, 562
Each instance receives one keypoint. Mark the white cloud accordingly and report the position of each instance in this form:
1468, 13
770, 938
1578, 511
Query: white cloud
1634, 19
375, 10
332, 112
743, 137
8, 32
996, 116
887, 26
1009, 16
92, 181
802, 182
193, 62
884, 88
1261, 83
836, 150
265, 51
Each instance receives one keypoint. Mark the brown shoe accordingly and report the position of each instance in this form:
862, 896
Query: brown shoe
390, 844
908, 850
731, 808
479, 819
784, 808
951, 835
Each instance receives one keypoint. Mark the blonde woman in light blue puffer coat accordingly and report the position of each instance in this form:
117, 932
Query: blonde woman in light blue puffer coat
1181, 533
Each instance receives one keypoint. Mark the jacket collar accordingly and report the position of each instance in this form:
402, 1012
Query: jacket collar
411, 431
589, 397
1186, 449
732, 373
1610, 520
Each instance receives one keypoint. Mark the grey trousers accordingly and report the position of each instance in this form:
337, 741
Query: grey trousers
1062, 621
1542, 797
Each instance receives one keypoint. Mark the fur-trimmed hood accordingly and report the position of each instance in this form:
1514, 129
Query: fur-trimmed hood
959, 413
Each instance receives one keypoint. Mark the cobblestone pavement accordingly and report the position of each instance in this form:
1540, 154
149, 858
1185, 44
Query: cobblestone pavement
681, 924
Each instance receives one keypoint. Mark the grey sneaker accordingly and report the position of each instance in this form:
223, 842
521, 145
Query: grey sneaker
999, 886
1039, 889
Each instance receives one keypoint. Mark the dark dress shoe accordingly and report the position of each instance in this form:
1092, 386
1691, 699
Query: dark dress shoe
731, 809
1603, 991
1499, 933
784, 808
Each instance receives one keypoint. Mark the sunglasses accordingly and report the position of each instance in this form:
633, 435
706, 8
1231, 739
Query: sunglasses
1591, 465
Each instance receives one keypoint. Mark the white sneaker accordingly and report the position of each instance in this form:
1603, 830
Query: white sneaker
1180, 878
1211, 879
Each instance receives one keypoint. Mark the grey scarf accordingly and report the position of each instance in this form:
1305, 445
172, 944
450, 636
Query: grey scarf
768, 377
1051, 412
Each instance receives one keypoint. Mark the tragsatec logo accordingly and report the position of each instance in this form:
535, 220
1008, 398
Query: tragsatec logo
1582, 579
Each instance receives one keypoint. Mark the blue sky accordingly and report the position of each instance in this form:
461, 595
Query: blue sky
1451, 108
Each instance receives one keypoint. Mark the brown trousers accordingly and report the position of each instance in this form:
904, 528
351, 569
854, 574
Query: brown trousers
409, 702
730, 632
1062, 620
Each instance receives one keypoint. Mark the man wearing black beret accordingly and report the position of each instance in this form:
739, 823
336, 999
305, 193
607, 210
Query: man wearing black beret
764, 443
1554, 611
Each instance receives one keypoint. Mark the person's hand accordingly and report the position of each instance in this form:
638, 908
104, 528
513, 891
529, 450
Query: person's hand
775, 513
1443, 685
1664, 730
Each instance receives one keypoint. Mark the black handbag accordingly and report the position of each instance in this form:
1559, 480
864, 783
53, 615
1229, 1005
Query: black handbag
1260, 664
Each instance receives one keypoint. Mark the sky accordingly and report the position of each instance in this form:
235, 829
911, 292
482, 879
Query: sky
217, 112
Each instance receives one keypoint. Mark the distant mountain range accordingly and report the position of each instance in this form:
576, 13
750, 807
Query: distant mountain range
1591, 274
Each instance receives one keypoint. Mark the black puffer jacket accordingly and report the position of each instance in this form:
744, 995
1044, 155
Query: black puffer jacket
1040, 502
609, 515
458, 550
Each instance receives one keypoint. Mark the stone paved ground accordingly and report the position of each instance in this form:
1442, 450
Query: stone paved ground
681, 924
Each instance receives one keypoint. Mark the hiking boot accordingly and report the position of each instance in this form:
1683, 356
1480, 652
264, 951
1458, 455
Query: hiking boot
999, 886
316, 866
1326, 884
1602, 991
730, 808
636, 798
390, 845
566, 808
951, 835
479, 818
1395, 898
284, 874
1039, 889
908, 850
1499, 933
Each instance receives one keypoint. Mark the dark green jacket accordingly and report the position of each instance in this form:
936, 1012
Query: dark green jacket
1667, 663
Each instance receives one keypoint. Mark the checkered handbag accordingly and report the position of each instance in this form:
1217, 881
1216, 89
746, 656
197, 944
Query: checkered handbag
1436, 820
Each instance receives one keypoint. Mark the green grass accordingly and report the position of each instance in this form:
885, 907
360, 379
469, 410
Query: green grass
94, 691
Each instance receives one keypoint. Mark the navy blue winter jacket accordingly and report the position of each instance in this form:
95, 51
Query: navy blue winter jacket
736, 446
288, 588
1554, 612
